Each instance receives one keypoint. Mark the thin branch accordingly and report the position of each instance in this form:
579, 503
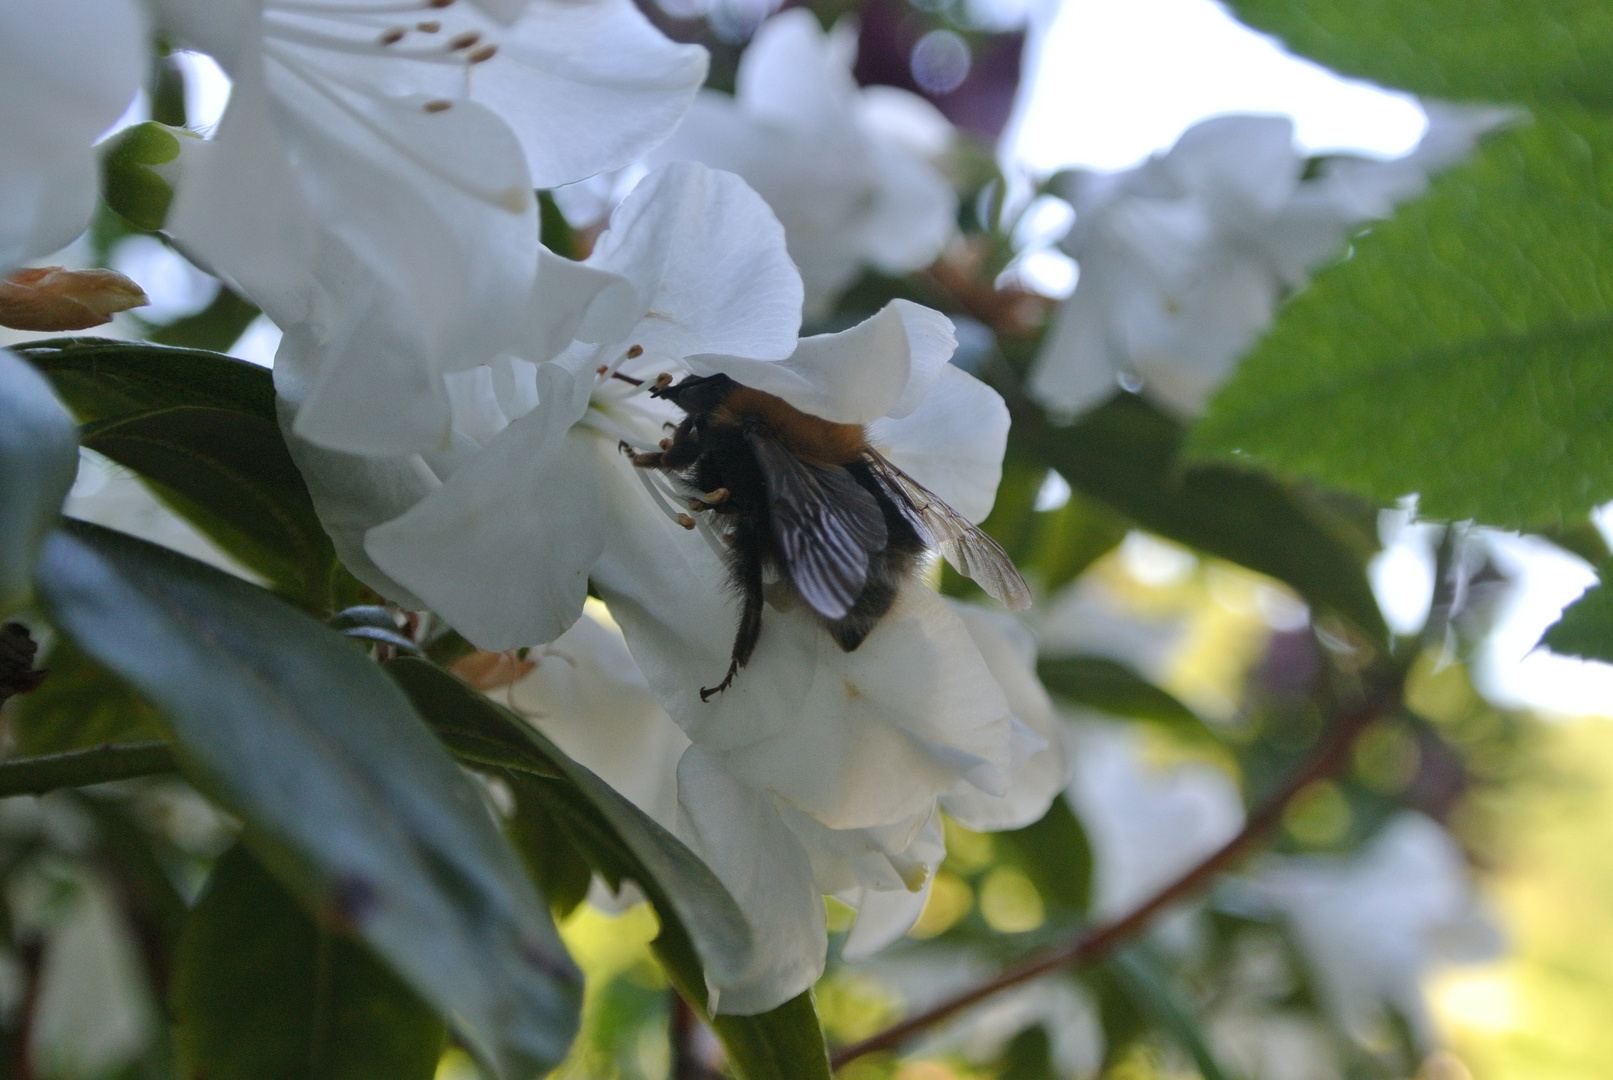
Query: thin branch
1328, 755
80, 768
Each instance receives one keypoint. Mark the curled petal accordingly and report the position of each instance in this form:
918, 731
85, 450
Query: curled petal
885, 365
503, 548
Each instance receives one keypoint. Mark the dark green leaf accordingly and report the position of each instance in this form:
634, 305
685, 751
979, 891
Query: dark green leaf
217, 326
80, 705
1147, 984
1070, 539
127, 181
1055, 855
38, 461
1461, 353
100, 378
548, 848
345, 794
1586, 627
232, 475
1110, 686
1125, 453
263, 993
1491, 50
702, 930
1029, 1056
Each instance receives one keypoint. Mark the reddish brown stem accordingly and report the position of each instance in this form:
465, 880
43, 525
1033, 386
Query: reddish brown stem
1328, 755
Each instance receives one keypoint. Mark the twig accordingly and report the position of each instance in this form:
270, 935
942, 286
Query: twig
80, 768
1323, 761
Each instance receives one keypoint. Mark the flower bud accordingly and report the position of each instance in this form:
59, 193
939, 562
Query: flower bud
50, 298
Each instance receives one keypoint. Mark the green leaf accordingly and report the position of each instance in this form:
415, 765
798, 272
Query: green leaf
345, 794
1072, 538
38, 461
1461, 353
1146, 983
261, 992
1490, 50
128, 183
80, 705
549, 850
217, 326
231, 474
1056, 855
702, 930
1110, 686
1125, 453
101, 379
1586, 627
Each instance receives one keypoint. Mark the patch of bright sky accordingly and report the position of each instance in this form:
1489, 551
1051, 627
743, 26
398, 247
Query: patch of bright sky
1117, 81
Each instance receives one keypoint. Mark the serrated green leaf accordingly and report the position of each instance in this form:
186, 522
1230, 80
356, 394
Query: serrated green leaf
100, 378
1461, 353
261, 992
231, 475
345, 794
1124, 453
1489, 50
1110, 686
1586, 627
38, 461
702, 929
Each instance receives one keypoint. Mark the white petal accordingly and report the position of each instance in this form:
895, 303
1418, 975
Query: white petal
587, 86
1038, 777
736, 830
1075, 368
1241, 165
883, 916
913, 216
572, 300
952, 443
789, 74
906, 120
708, 259
589, 697
503, 549
67, 71
885, 364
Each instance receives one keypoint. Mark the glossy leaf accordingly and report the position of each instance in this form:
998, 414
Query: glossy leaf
1461, 353
100, 378
345, 794
262, 992
1586, 627
702, 930
217, 326
38, 461
232, 475
1125, 453
1488, 50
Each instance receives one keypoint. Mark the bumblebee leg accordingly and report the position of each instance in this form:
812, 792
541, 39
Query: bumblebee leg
747, 567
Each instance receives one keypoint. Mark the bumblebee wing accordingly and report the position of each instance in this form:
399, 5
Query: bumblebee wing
825, 523
970, 551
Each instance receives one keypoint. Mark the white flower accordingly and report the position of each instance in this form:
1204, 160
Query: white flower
401, 142
67, 71
847, 171
1146, 826
586, 693
1185, 258
503, 529
1372, 925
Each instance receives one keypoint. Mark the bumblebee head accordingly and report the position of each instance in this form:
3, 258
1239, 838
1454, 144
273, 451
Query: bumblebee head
696, 393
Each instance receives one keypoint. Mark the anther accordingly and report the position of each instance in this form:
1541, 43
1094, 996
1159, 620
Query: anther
441, 3
484, 53
686, 521
697, 506
394, 35
431, 26
665, 444
601, 369
634, 352
463, 41
439, 105
715, 498
663, 380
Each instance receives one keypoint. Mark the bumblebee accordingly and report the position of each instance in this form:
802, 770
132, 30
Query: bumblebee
809, 503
